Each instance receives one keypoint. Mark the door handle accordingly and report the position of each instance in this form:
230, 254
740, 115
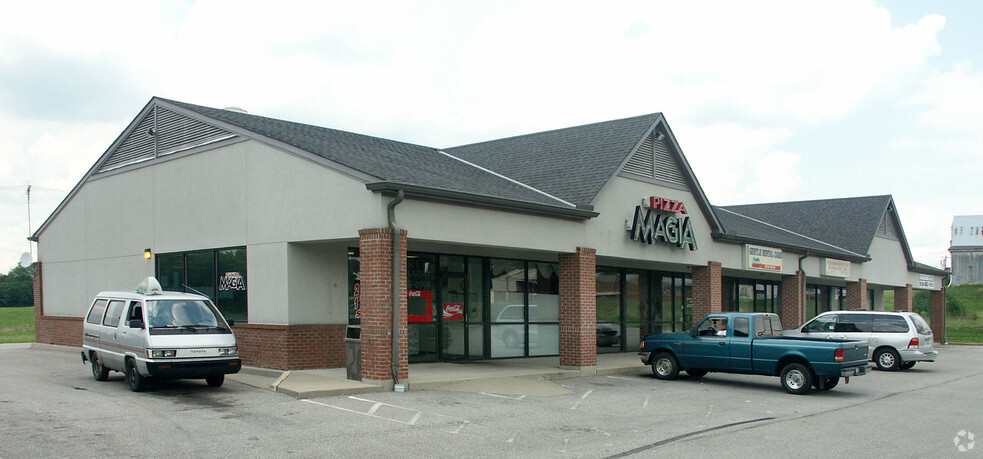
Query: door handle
721, 343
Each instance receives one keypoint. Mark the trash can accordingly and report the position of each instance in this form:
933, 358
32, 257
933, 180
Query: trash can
353, 352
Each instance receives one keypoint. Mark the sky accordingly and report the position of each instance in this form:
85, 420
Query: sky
770, 101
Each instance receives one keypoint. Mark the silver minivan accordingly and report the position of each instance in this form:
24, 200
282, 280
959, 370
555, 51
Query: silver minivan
895, 340
153, 333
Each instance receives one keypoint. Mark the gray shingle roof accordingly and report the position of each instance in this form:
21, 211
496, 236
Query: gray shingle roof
849, 223
741, 228
571, 163
388, 160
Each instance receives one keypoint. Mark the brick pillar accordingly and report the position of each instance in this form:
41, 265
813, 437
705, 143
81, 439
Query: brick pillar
375, 280
707, 290
38, 300
578, 310
793, 308
903, 297
936, 315
856, 294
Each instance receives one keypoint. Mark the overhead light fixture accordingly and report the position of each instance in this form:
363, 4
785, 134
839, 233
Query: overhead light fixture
147, 254
659, 136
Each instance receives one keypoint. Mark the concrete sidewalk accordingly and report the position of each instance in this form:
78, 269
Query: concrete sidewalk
532, 376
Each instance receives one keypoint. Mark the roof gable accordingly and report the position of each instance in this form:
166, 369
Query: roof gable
571, 163
850, 223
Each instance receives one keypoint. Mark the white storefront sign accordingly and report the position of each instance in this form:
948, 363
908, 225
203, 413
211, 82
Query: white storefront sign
762, 258
926, 281
835, 268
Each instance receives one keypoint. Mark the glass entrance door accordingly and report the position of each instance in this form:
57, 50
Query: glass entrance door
462, 308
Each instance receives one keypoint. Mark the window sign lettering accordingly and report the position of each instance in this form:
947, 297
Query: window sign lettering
232, 281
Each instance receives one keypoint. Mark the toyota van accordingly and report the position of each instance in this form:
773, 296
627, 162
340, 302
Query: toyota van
150, 333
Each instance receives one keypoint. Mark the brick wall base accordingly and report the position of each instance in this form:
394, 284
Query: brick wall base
856, 295
903, 297
291, 347
936, 313
792, 312
63, 331
707, 290
578, 310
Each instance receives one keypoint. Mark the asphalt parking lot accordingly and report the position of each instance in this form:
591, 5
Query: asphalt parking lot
52, 406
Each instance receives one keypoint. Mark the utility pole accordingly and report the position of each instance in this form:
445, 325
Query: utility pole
30, 245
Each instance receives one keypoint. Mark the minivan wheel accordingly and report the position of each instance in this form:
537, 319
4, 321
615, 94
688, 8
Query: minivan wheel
887, 359
99, 371
136, 381
215, 381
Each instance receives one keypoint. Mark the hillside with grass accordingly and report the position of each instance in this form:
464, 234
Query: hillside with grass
964, 313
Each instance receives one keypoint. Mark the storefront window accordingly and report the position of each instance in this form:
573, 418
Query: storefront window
822, 298
544, 309
629, 306
421, 278
354, 289
231, 297
751, 295
218, 274
508, 310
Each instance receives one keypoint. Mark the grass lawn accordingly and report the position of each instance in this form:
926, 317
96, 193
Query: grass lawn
17, 325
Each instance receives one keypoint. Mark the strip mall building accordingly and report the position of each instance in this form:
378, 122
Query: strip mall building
566, 243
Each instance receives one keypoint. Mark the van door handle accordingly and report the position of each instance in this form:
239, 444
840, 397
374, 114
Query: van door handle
721, 343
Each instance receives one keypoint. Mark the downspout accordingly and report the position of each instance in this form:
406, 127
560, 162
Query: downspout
802, 290
395, 284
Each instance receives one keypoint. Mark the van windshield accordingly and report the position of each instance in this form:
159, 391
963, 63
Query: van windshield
183, 314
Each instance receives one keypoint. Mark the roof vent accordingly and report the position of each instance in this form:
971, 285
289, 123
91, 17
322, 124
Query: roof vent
235, 109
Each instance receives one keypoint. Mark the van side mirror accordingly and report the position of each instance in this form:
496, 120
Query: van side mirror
232, 323
136, 323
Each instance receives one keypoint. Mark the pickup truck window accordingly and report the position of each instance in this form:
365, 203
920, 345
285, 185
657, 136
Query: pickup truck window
714, 327
742, 327
768, 326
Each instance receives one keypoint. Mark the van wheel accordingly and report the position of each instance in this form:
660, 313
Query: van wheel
887, 359
99, 371
136, 381
215, 381
796, 378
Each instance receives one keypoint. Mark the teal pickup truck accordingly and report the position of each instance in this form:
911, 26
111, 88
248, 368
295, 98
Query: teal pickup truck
752, 343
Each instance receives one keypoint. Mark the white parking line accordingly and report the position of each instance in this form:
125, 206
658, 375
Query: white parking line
582, 397
503, 396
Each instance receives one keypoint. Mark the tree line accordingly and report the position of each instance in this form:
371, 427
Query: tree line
16, 288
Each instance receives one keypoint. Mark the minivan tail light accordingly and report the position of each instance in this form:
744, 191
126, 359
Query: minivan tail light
913, 344
838, 355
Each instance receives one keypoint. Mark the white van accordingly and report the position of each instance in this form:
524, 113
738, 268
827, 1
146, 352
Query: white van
895, 340
153, 333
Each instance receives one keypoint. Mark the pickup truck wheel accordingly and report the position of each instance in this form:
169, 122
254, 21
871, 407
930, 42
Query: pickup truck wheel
99, 371
887, 359
826, 383
136, 381
215, 381
664, 366
907, 365
796, 378
696, 373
